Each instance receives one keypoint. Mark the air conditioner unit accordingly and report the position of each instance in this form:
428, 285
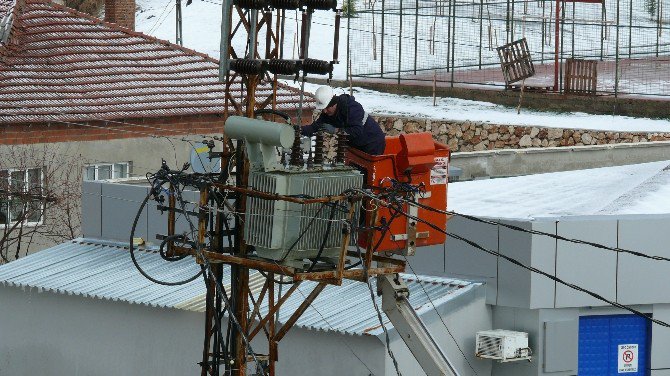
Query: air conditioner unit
503, 345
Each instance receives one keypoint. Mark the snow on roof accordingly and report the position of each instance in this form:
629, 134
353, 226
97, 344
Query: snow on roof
631, 189
5, 6
60, 64
103, 270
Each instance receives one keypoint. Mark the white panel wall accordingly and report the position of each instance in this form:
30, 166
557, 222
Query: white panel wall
465, 261
591, 268
514, 281
543, 289
641, 280
660, 340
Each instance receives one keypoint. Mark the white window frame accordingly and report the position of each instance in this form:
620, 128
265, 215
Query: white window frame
26, 185
111, 165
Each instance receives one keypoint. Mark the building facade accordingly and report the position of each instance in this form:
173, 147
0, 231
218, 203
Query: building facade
86, 99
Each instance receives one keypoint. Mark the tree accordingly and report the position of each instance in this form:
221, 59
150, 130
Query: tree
40, 193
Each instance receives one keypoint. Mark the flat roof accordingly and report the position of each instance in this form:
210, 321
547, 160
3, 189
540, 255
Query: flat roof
630, 189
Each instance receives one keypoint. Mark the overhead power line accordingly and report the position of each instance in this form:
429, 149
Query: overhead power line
542, 233
538, 271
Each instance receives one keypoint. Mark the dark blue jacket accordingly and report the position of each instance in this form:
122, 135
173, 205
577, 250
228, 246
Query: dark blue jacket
349, 115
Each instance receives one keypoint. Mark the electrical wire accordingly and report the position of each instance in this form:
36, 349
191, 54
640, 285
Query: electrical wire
167, 5
536, 232
439, 315
334, 330
372, 295
397, 207
535, 270
195, 180
134, 258
153, 135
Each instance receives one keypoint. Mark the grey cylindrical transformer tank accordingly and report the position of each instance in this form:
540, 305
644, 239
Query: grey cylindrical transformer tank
259, 131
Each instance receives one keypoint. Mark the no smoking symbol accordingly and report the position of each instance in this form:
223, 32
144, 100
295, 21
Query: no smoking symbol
628, 356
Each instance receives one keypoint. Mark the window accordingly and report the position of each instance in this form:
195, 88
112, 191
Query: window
104, 171
21, 196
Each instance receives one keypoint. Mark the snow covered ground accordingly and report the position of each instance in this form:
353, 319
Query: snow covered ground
201, 32
201, 25
461, 109
632, 189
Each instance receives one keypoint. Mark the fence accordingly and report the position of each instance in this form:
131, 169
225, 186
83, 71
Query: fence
453, 42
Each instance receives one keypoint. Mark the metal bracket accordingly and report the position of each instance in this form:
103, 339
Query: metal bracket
411, 229
168, 209
419, 235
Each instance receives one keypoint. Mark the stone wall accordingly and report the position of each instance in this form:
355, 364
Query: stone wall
463, 136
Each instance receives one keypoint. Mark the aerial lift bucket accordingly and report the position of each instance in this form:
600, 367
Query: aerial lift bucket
415, 160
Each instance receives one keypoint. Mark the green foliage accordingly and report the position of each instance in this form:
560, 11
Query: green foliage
349, 8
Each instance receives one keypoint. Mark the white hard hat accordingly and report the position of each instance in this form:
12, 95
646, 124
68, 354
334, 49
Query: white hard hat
323, 95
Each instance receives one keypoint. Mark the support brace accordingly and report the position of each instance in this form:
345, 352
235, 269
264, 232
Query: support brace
410, 327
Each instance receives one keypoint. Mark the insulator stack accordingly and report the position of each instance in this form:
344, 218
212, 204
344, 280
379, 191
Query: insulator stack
285, 4
283, 158
247, 66
318, 148
284, 67
310, 159
314, 66
296, 151
319, 4
342, 146
251, 4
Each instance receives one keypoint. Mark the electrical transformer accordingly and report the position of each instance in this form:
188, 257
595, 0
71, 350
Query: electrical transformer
287, 232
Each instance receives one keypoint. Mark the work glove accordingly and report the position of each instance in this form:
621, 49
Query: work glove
329, 128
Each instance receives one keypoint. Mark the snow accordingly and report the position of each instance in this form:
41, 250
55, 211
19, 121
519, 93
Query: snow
455, 109
631, 189
201, 32
485, 25
461, 109
201, 27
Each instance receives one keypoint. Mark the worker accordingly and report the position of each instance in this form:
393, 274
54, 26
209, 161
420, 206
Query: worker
342, 111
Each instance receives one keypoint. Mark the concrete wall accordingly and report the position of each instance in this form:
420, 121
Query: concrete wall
515, 162
43, 333
606, 105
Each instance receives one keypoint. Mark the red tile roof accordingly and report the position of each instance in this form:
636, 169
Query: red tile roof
60, 64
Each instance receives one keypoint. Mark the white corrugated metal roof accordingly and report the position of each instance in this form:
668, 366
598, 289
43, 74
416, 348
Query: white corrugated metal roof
104, 270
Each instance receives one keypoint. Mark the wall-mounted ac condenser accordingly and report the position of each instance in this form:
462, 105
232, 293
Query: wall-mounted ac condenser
503, 345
